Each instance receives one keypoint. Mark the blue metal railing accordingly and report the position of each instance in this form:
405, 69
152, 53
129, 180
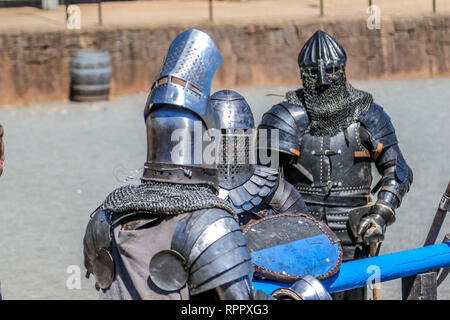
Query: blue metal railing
358, 273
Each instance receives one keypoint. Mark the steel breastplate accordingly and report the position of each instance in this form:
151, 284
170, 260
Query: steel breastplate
340, 166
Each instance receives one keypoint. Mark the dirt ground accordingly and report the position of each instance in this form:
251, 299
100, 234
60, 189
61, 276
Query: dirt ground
155, 13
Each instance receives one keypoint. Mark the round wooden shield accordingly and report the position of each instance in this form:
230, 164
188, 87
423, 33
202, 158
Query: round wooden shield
286, 247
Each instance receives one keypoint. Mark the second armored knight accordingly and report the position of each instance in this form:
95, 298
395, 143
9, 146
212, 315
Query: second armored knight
330, 134
253, 190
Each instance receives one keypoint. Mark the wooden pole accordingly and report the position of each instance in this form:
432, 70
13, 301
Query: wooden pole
439, 217
100, 20
67, 7
321, 8
376, 286
210, 10
434, 6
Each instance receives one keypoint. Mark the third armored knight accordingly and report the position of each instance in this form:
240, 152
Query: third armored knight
330, 134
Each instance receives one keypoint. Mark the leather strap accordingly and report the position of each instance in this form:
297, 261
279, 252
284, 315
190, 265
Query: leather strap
336, 201
362, 154
377, 152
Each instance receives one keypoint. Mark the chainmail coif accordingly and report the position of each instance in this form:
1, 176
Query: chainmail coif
163, 198
333, 109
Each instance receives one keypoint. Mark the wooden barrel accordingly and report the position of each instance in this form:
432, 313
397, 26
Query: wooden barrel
49, 4
90, 75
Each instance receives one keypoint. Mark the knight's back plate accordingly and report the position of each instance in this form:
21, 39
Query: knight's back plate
286, 247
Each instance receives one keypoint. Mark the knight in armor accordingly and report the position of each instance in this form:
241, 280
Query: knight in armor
254, 191
171, 237
330, 134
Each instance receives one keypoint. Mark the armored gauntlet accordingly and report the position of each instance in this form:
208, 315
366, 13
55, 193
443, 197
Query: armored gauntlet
372, 227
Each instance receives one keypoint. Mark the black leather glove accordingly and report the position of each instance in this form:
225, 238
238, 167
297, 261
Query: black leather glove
372, 227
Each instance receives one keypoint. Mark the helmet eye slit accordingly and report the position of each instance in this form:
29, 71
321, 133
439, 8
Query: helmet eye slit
195, 89
179, 81
163, 80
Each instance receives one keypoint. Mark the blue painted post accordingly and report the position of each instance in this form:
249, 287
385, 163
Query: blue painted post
358, 273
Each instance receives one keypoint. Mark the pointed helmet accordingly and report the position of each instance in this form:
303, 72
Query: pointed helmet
322, 54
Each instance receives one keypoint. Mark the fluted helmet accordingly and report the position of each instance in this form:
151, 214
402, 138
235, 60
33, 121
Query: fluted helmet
321, 55
177, 114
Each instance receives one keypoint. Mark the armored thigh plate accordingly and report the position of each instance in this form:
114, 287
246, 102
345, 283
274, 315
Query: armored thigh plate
287, 247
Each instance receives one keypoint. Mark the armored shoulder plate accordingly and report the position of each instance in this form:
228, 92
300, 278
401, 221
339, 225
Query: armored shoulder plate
379, 126
207, 244
252, 193
291, 121
287, 199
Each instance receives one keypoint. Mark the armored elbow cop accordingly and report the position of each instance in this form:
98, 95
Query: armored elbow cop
397, 176
394, 184
396, 179
286, 199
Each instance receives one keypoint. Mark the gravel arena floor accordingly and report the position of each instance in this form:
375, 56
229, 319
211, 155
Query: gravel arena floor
63, 158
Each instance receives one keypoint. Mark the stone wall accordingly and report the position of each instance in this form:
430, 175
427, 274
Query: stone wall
36, 66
